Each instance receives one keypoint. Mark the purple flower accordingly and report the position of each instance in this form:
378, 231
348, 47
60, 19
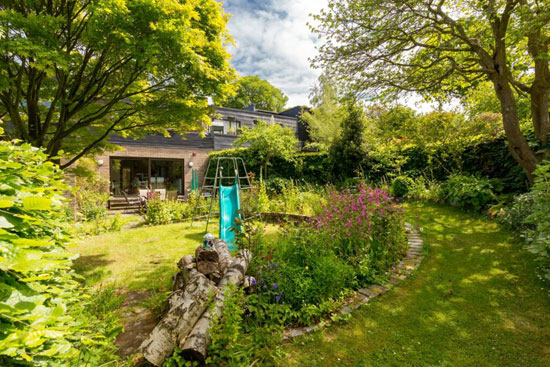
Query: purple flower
278, 297
253, 281
274, 286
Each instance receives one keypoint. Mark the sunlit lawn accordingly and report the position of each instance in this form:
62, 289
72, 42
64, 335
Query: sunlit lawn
142, 258
475, 301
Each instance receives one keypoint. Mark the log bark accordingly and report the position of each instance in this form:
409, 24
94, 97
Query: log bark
186, 262
195, 346
210, 268
203, 254
187, 308
225, 256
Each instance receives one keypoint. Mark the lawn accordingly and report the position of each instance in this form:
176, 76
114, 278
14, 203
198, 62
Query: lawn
475, 301
142, 258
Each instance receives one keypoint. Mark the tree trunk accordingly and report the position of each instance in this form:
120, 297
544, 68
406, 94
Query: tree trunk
195, 346
519, 148
187, 308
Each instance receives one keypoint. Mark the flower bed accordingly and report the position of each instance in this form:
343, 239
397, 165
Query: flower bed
314, 266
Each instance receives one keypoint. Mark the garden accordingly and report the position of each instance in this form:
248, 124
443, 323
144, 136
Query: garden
373, 234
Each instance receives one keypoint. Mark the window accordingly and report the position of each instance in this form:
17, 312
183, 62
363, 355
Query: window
130, 175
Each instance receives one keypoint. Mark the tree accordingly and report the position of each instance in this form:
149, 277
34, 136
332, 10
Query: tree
348, 151
442, 48
254, 90
324, 121
73, 72
268, 140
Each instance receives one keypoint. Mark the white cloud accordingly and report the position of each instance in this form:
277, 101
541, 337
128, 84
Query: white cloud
274, 42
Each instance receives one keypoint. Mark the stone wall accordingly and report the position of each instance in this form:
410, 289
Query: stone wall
200, 160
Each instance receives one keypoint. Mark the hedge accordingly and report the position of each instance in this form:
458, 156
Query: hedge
490, 159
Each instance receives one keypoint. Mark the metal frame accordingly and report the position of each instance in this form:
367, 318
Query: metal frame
210, 189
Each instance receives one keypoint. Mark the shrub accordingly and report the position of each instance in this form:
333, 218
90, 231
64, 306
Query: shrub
423, 189
38, 287
401, 186
538, 238
468, 192
91, 196
241, 340
514, 216
166, 211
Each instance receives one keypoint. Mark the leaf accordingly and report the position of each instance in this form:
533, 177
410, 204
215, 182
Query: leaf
37, 203
6, 203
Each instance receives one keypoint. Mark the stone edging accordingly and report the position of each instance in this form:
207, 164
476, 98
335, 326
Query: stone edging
403, 270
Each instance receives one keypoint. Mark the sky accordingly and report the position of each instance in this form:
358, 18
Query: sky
274, 42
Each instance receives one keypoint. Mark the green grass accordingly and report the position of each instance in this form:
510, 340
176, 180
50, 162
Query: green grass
142, 258
475, 301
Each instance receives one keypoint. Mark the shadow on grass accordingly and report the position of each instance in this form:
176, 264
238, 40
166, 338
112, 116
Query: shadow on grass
92, 267
475, 300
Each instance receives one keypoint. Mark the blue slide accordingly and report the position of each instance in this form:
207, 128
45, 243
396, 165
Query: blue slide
229, 207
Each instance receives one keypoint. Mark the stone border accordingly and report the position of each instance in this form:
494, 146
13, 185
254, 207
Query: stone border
403, 270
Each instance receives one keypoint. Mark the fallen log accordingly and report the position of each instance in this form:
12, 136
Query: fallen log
186, 262
206, 254
195, 346
187, 307
225, 256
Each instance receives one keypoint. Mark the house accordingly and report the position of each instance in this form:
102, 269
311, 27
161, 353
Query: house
165, 164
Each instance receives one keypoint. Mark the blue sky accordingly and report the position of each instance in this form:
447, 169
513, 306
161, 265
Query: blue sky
273, 41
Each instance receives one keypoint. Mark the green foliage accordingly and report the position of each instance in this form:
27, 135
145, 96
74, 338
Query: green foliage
40, 299
313, 168
238, 340
325, 119
166, 211
538, 238
515, 216
268, 141
130, 66
445, 51
468, 192
311, 268
401, 186
348, 151
284, 196
254, 90
425, 190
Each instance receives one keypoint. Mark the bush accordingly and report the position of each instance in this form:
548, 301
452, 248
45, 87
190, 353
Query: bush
468, 192
423, 189
514, 216
166, 211
538, 238
401, 186
91, 196
37, 286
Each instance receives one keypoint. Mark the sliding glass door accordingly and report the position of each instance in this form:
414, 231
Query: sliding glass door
130, 175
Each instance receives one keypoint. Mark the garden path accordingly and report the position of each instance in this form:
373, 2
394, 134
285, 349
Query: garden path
475, 301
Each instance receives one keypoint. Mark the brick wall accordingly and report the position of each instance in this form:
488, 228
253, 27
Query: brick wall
200, 160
